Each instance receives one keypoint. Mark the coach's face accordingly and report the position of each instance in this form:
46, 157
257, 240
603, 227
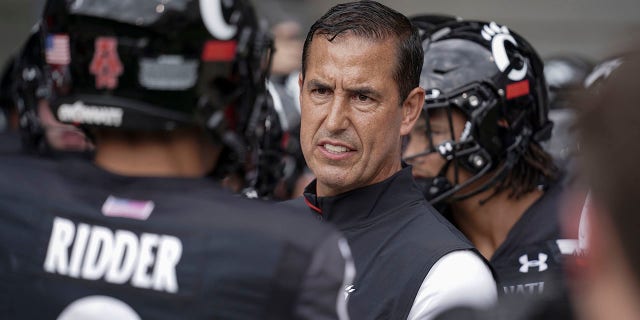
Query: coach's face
352, 115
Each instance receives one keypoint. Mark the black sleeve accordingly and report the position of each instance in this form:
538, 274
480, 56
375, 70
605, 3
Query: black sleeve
322, 292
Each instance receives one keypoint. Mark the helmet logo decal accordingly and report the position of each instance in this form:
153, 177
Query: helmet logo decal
498, 35
57, 49
211, 12
78, 112
215, 50
106, 65
168, 72
517, 89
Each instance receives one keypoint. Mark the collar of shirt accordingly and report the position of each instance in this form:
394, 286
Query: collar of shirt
364, 204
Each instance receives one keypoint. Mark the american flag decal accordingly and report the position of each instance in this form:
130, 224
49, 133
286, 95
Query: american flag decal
127, 208
57, 49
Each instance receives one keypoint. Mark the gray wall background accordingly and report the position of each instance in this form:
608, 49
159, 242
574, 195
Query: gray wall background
16, 19
592, 28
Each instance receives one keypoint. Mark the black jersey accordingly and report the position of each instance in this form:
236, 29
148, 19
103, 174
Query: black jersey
77, 239
530, 260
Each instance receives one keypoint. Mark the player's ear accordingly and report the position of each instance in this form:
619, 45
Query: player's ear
411, 109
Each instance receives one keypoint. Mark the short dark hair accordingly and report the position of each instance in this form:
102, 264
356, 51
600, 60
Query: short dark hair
374, 21
608, 127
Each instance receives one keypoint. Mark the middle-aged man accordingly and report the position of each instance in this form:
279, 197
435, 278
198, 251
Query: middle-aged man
359, 96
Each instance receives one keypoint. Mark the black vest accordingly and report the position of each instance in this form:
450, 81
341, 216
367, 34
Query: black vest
395, 237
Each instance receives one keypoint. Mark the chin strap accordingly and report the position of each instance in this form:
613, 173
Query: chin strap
497, 176
513, 152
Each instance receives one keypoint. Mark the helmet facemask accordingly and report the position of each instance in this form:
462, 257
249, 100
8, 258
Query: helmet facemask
491, 80
470, 143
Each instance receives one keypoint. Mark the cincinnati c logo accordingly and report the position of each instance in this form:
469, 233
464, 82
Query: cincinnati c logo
498, 35
211, 12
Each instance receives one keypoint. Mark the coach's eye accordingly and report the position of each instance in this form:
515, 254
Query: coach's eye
320, 91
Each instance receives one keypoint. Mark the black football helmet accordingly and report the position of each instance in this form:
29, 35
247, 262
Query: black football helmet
428, 23
29, 86
152, 65
25, 88
279, 158
601, 72
565, 75
489, 73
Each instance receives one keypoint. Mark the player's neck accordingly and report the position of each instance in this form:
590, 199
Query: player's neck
181, 153
488, 224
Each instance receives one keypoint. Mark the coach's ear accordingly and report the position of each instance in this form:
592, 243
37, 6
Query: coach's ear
300, 83
411, 108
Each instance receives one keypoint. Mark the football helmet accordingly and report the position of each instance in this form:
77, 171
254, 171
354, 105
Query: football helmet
428, 23
157, 65
27, 87
279, 158
494, 77
601, 72
565, 75
27, 92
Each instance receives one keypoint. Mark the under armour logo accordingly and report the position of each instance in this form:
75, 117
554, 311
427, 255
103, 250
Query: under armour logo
348, 290
541, 263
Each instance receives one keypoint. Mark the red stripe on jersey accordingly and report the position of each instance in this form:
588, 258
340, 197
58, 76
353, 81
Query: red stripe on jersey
314, 208
219, 50
517, 89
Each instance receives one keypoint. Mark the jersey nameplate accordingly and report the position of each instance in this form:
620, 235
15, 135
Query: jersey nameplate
93, 252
